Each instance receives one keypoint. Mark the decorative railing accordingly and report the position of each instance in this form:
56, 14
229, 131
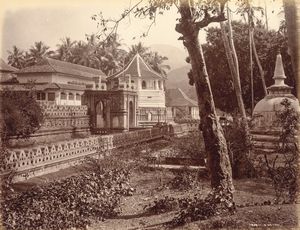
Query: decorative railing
29, 159
65, 123
52, 110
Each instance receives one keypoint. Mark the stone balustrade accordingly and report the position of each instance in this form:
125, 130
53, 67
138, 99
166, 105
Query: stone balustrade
65, 123
53, 110
43, 159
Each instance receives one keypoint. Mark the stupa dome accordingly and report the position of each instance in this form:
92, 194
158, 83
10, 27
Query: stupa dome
264, 112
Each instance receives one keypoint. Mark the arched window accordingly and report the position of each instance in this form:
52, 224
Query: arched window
71, 96
144, 86
63, 96
78, 97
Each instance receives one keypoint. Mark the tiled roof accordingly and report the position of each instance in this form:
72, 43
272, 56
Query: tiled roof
176, 98
5, 67
49, 65
137, 67
42, 87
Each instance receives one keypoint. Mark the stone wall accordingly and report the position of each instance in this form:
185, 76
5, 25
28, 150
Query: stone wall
61, 122
43, 159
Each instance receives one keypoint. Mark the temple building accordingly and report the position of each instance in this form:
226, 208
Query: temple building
180, 106
82, 100
6, 72
138, 77
61, 83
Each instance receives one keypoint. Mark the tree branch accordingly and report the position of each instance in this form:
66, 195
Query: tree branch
209, 19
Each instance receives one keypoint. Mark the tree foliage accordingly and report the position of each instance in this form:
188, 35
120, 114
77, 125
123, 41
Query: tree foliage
106, 55
68, 203
21, 114
267, 43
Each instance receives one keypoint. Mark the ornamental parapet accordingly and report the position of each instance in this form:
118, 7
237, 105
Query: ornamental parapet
50, 157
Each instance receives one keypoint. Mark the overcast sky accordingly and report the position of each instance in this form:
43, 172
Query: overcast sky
22, 22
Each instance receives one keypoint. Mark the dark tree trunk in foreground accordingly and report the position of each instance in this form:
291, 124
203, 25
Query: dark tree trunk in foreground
291, 12
215, 143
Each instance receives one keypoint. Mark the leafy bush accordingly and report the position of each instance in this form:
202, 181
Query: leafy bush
21, 114
284, 175
184, 179
239, 147
197, 208
70, 202
191, 145
163, 205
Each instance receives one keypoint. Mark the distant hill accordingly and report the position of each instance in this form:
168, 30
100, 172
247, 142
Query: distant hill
176, 56
178, 78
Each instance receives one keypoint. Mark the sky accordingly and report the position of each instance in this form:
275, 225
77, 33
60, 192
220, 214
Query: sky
22, 22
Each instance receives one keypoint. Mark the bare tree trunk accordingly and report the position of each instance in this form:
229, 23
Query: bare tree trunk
233, 66
261, 71
215, 143
291, 12
292, 18
240, 162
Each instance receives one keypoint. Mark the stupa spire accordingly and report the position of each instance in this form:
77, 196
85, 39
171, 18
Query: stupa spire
279, 74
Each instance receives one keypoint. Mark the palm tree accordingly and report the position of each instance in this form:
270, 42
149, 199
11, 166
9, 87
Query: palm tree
37, 53
65, 49
137, 49
156, 62
16, 58
86, 54
112, 56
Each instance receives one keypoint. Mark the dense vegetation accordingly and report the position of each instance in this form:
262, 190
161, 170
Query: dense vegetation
268, 43
21, 114
71, 202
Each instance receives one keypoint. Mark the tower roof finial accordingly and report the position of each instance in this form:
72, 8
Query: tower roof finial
279, 70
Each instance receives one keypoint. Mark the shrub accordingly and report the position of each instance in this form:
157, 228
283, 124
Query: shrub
163, 205
198, 208
21, 114
239, 147
184, 179
284, 175
191, 145
67, 203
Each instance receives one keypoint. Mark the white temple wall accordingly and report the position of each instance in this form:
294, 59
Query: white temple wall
151, 98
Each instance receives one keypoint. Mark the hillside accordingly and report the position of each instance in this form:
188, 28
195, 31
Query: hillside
176, 56
177, 78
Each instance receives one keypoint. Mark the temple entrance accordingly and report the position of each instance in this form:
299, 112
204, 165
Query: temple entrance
111, 111
101, 118
131, 115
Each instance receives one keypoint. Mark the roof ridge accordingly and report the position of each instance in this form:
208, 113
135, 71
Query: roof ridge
149, 68
186, 97
124, 69
138, 57
47, 59
74, 64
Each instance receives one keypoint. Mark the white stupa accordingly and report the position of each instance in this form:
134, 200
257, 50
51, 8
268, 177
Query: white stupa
264, 113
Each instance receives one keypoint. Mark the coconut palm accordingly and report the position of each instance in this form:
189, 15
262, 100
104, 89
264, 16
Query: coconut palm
37, 53
16, 58
112, 56
65, 49
156, 62
86, 54
137, 49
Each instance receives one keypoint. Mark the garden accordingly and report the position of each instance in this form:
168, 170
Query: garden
130, 189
